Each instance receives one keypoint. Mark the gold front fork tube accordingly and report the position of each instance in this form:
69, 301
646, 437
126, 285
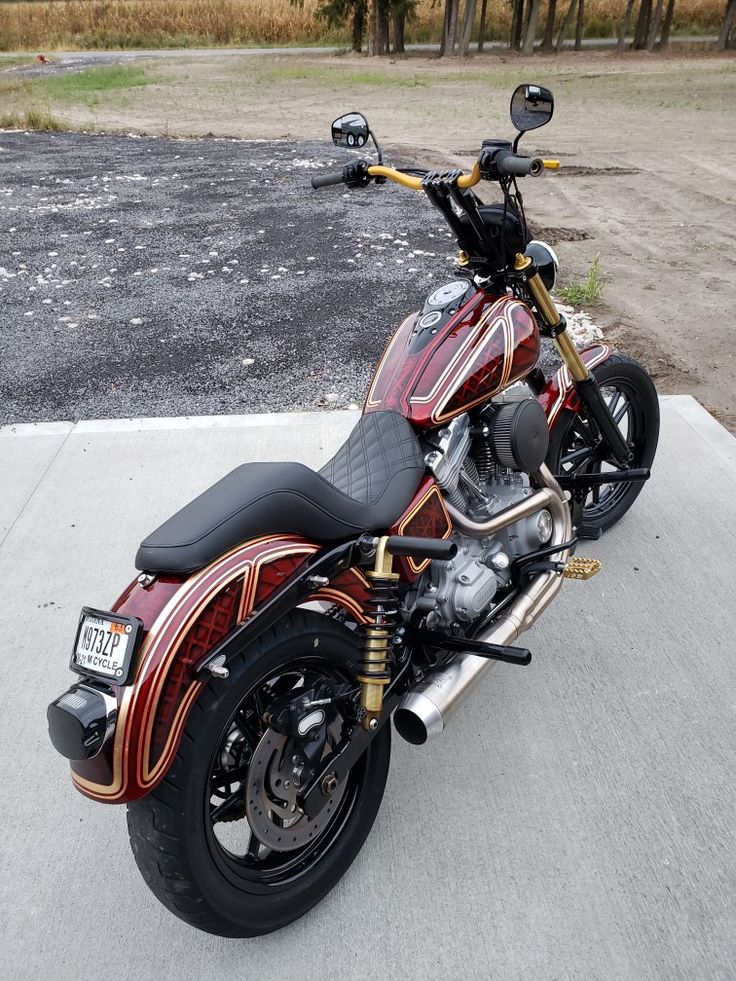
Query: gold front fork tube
551, 316
378, 636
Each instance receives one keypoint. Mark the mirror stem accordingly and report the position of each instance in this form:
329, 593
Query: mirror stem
375, 143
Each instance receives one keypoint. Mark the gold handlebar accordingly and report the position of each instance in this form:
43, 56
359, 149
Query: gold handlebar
415, 183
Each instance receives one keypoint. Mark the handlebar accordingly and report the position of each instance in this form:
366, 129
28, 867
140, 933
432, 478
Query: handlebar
388, 173
512, 166
324, 180
415, 183
507, 164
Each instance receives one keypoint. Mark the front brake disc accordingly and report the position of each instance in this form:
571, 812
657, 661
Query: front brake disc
271, 795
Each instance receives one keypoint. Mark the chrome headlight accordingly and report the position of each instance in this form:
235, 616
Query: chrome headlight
546, 260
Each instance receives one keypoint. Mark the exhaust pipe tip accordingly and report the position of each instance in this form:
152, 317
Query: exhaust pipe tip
417, 718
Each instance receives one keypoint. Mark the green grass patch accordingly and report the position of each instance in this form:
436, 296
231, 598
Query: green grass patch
586, 292
87, 86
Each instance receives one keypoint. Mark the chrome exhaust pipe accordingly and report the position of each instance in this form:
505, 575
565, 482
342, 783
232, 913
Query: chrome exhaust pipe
425, 711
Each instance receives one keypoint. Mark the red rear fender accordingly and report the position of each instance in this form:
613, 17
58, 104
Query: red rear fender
183, 619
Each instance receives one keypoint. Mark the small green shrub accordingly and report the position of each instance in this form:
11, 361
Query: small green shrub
587, 291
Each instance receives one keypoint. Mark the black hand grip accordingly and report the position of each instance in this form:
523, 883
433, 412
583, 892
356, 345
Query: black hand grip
324, 180
422, 548
511, 165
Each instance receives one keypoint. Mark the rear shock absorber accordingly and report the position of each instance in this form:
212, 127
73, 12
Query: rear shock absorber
381, 610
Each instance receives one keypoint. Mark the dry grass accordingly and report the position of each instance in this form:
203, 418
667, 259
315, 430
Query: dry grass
156, 23
62, 24
33, 119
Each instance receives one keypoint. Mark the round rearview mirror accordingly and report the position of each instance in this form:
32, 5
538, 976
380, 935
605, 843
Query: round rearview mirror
531, 107
350, 130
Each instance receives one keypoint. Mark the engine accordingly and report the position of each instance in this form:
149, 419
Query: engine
482, 468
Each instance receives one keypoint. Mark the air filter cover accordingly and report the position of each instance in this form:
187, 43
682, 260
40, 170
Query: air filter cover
519, 435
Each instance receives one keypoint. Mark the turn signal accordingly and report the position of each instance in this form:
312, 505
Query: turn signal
81, 720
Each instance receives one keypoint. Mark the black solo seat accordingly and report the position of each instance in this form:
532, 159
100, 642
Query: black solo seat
365, 487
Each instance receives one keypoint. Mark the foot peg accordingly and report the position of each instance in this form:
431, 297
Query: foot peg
581, 568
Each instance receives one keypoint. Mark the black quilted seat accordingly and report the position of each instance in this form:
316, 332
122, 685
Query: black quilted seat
365, 487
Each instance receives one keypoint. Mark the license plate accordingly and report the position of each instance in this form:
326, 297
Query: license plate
105, 645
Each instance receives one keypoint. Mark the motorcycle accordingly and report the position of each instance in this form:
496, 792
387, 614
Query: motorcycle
237, 697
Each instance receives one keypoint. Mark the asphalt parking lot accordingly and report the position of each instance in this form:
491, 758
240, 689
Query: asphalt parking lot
148, 277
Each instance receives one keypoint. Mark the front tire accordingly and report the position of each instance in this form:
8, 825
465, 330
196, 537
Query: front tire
575, 443
224, 880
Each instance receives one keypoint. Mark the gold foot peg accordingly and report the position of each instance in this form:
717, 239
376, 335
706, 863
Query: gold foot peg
581, 568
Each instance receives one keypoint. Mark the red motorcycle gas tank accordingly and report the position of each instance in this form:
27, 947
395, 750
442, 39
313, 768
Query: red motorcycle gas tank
442, 362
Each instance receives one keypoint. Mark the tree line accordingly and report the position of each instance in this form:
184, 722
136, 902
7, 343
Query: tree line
380, 25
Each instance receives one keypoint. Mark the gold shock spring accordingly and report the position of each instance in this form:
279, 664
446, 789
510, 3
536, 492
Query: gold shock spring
381, 612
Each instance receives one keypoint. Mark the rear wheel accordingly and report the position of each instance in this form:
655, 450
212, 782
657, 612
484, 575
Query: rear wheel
221, 841
576, 445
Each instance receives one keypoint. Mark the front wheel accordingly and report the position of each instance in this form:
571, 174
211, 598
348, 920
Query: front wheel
576, 445
221, 841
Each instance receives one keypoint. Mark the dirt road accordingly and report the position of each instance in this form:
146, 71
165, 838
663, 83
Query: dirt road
648, 179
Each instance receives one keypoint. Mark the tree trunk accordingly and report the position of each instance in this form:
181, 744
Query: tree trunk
665, 37
372, 29
468, 22
517, 20
399, 22
450, 28
482, 25
445, 22
579, 25
548, 41
378, 27
728, 21
642, 25
383, 27
359, 12
654, 26
565, 24
527, 15
624, 26
531, 28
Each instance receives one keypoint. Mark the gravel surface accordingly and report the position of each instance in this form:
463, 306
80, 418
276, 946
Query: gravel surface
145, 277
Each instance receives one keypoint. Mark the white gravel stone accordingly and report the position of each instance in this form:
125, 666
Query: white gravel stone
580, 326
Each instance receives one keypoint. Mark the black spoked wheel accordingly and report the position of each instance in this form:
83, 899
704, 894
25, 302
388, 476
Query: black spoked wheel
222, 841
576, 445
255, 831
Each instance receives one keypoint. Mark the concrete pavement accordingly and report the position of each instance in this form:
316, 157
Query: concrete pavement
575, 820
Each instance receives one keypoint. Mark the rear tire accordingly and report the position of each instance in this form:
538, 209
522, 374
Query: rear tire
172, 833
627, 386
